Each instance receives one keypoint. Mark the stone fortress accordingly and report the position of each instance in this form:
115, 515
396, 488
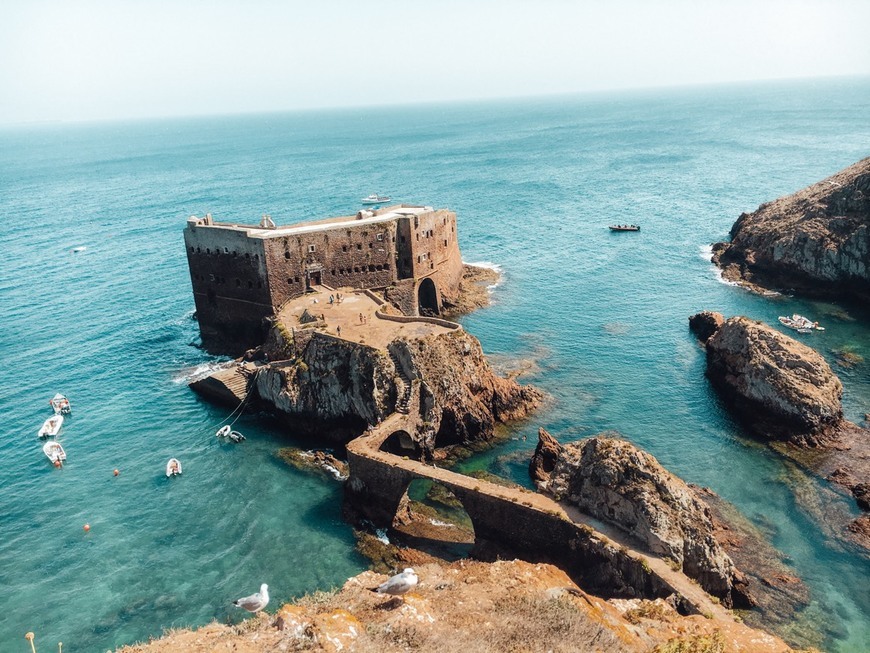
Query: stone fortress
243, 274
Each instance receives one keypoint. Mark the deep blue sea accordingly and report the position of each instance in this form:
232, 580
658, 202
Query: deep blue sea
534, 184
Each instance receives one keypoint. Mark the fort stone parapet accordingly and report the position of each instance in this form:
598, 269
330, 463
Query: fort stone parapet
242, 274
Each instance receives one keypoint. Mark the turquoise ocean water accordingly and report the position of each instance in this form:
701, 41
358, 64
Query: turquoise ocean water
534, 183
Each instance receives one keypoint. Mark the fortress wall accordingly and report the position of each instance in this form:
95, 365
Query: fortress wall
435, 251
230, 288
360, 256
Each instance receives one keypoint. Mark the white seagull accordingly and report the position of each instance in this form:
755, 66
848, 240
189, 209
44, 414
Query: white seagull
398, 585
254, 602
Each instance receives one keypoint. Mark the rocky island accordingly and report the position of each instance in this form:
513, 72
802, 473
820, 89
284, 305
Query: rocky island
785, 392
816, 241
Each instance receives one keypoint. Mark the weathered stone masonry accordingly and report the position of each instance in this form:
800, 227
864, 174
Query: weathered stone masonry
241, 274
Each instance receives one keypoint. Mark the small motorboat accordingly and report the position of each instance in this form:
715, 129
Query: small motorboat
60, 404
624, 227
55, 452
800, 323
376, 199
173, 467
227, 432
51, 426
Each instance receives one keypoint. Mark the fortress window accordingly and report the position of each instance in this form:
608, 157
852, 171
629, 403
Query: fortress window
380, 238
365, 233
286, 254
296, 279
226, 250
371, 268
445, 242
332, 272
247, 256
235, 253
386, 266
418, 259
344, 248
256, 257
311, 248
451, 228
191, 250
208, 251
359, 245
379, 267
198, 250
371, 245
418, 236
431, 266
356, 269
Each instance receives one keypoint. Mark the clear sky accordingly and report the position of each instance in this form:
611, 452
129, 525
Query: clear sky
97, 59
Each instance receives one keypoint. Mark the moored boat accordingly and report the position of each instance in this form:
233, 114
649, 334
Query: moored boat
800, 323
173, 467
624, 227
374, 198
60, 404
55, 452
51, 426
223, 431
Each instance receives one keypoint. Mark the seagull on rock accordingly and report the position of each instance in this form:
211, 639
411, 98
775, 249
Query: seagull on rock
398, 585
254, 602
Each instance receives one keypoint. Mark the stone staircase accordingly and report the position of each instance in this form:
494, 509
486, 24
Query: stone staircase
403, 386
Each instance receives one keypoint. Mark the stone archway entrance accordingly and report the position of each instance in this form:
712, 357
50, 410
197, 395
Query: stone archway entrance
427, 298
401, 443
431, 518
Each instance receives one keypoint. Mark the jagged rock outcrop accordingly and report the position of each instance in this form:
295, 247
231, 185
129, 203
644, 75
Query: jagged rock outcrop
337, 388
785, 391
615, 481
816, 240
705, 324
546, 456
779, 386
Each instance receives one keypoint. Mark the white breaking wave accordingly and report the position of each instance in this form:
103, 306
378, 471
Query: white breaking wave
706, 253
489, 265
191, 374
381, 534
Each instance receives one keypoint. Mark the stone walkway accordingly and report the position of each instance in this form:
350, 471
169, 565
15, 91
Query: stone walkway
368, 446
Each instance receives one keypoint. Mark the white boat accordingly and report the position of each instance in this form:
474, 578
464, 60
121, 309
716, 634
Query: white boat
55, 452
173, 467
60, 404
223, 431
235, 436
800, 323
376, 199
51, 426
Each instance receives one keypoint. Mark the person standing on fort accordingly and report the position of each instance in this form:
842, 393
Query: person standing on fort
338, 331
360, 318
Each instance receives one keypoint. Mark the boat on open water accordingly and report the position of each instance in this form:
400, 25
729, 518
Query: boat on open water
624, 227
55, 452
374, 198
173, 467
60, 404
51, 426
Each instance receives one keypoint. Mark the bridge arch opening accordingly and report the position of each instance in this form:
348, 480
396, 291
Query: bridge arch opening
432, 519
427, 298
401, 443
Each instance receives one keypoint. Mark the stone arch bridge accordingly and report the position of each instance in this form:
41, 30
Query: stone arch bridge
514, 522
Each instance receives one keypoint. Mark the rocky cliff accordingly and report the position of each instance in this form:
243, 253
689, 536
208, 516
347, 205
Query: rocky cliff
472, 607
817, 239
336, 388
614, 481
780, 387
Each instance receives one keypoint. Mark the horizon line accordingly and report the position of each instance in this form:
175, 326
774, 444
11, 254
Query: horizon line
616, 90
